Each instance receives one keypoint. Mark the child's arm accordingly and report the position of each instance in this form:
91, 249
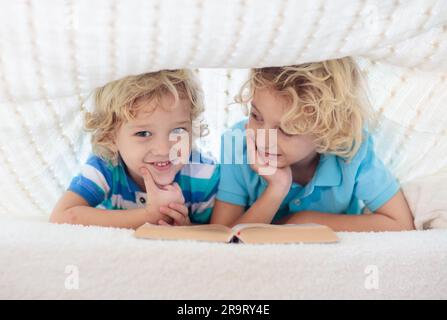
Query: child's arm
225, 213
262, 211
266, 206
74, 209
394, 215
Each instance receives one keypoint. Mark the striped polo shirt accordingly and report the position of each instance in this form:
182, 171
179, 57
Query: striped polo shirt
106, 186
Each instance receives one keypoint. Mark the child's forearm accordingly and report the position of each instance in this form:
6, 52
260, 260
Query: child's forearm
88, 216
343, 222
264, 209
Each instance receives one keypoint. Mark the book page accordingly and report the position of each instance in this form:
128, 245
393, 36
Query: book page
289, 233
241, 226
206, 232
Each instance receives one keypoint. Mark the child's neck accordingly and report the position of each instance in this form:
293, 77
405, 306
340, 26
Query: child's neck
304, 170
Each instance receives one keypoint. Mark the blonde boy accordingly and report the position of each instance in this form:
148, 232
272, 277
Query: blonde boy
142, 169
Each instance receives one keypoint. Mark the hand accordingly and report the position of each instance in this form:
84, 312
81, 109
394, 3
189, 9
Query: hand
177, 212
278, 178
160, 197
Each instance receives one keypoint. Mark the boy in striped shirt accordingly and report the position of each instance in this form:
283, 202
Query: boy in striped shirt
145, 166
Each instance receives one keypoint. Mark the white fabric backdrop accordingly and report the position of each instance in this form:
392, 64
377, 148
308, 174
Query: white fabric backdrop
54, 53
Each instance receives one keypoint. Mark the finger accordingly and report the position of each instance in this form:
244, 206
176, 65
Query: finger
262, 160
176, 185
180, 208
253, 152
148, 179
180, 192
176, 189
168, 187
163, 223
176, 216
167, 219
255, 159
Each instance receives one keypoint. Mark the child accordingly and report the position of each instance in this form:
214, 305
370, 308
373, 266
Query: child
139, 172
321, 160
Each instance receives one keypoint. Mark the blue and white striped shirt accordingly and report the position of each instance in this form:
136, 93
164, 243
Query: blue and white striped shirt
106, 186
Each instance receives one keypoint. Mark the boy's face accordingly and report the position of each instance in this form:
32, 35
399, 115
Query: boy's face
159, 140
267, 109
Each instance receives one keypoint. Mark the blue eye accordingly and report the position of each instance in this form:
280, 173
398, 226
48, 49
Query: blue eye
143, 134
179, 130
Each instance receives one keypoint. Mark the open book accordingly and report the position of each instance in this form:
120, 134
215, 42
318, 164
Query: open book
246, 233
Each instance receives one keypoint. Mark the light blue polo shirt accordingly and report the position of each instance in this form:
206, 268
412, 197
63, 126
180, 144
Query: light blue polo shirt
336, 187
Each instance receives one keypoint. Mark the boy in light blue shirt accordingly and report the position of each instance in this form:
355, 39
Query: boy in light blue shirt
337, 186
305, 155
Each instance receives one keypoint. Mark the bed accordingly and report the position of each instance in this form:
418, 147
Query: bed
53, 54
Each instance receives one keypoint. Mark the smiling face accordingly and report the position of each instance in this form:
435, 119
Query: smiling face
152, 139
267, 109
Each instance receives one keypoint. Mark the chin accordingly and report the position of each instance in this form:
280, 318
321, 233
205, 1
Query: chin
164, 180
281, 164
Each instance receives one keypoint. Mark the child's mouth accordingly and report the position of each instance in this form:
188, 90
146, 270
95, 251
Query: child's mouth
268, 154
161, 165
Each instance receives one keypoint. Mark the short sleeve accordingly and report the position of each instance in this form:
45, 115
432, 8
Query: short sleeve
93, 181
374, 184
204, 191
232, 188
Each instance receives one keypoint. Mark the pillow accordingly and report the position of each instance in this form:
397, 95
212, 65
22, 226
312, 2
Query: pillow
427, 198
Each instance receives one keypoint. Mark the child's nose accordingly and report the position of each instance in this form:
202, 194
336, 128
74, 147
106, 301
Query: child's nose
161, 147
267, 138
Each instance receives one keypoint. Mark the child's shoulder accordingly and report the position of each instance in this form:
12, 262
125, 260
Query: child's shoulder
98, 162
96, 166
365, 152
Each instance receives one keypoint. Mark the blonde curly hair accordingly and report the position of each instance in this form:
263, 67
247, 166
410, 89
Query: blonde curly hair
115, 104
327, 101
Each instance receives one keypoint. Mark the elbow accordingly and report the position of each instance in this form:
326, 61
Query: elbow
408, 226
54, 217
396, 224
65, 216
406, 223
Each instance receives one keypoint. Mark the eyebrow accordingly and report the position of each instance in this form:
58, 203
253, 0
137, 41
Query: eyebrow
143, 126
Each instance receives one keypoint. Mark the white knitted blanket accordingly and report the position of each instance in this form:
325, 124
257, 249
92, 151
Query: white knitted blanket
45, 261
54, 53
